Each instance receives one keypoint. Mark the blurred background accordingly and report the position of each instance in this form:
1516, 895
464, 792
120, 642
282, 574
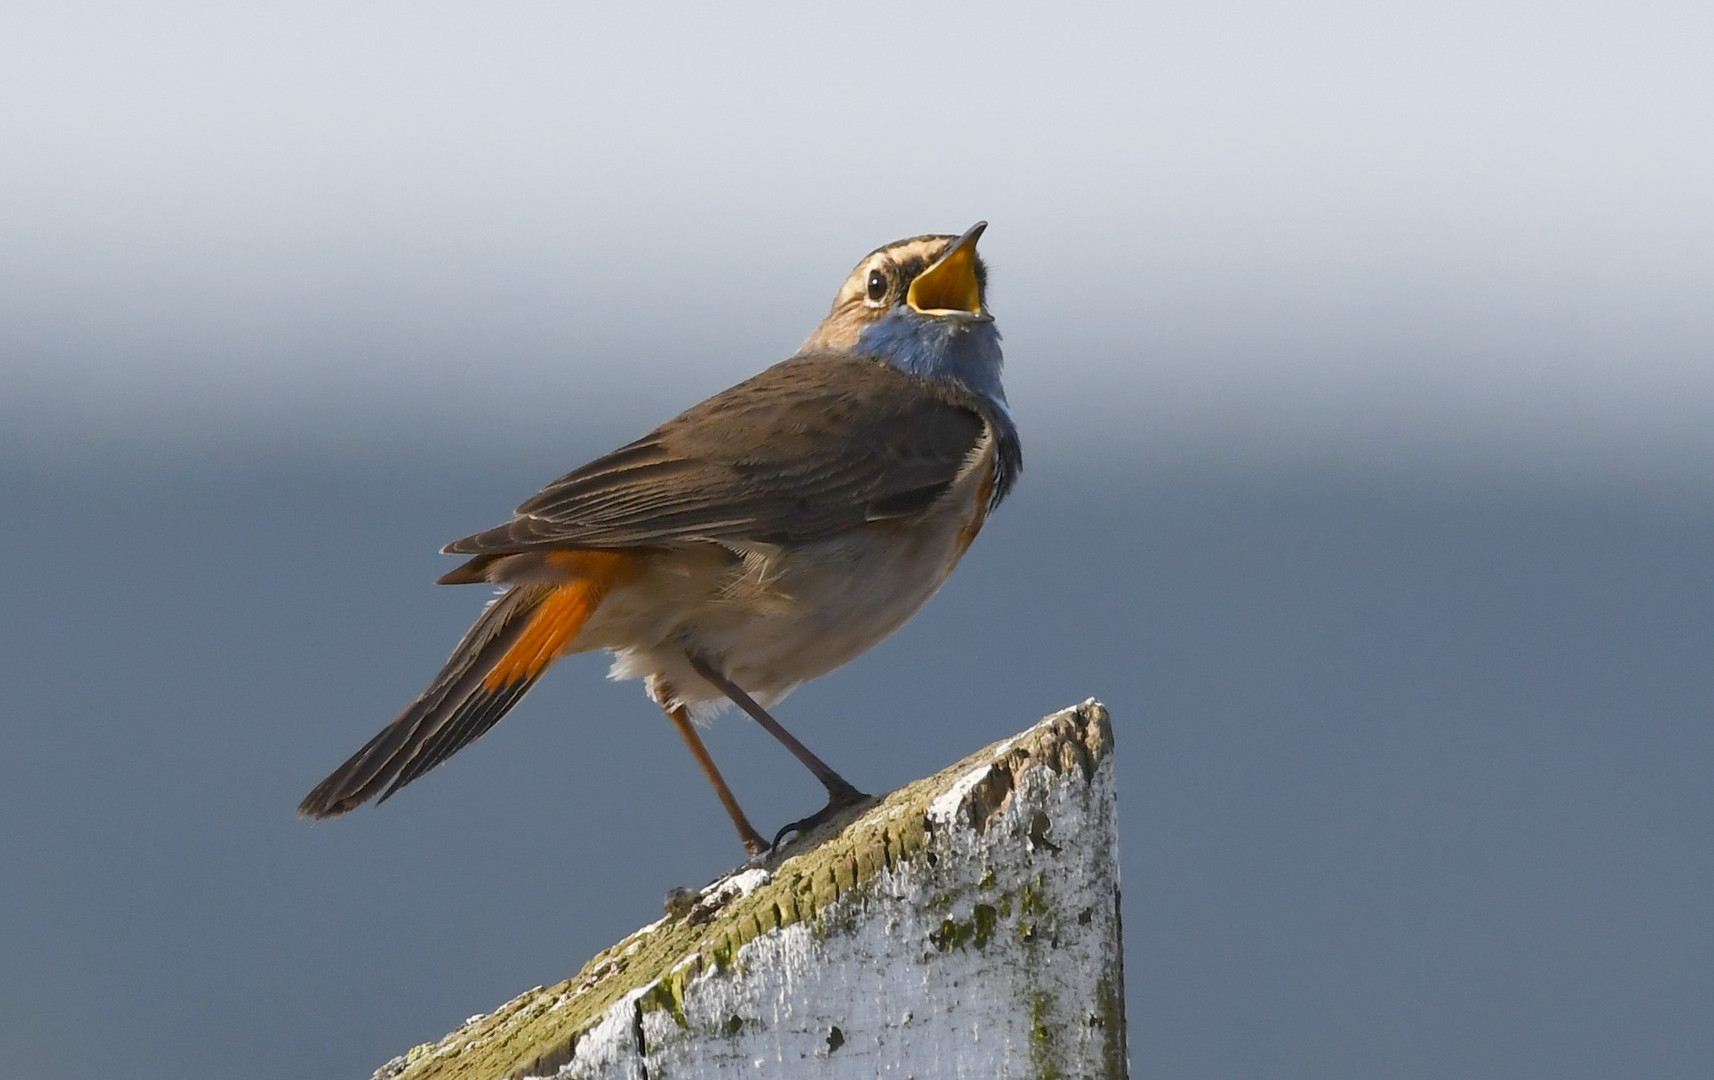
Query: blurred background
1362, 357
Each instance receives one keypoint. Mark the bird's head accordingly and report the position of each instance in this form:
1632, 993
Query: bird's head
928, 284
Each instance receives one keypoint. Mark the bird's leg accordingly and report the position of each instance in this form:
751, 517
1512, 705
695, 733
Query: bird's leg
837, 786
753, 842
840, 792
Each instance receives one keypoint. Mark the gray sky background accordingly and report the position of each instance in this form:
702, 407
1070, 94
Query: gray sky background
1467, 236
1362, 359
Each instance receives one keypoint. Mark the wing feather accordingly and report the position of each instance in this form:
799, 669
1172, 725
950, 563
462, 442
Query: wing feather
810, 448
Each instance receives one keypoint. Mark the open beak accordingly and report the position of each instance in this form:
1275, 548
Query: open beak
949, 286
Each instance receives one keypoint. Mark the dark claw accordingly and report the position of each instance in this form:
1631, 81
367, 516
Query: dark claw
837, 803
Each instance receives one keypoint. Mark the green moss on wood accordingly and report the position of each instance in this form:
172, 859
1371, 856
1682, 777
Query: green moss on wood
1044, 1037
538, 1031
1110, 1018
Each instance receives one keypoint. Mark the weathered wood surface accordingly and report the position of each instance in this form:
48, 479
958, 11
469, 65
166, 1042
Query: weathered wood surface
967, 925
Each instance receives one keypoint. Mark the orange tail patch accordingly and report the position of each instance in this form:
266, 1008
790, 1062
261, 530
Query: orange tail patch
559, 618
494, 665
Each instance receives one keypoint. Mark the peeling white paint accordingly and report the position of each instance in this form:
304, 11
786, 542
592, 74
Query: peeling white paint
610, 1050
944, 810
997, 958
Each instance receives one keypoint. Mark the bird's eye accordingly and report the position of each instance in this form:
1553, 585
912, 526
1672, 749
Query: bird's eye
877, 286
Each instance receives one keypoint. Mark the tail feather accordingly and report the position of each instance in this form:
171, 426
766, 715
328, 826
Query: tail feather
497, 661
478, 712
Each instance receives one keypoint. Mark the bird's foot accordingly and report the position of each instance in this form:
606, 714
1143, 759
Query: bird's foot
839, 800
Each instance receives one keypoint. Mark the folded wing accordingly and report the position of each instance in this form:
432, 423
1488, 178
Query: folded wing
808, 449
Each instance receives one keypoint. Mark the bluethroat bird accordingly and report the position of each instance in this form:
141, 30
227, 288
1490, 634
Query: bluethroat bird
751, 543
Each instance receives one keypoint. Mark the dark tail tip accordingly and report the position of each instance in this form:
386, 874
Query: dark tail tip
330, 799
456, 709
319, 805
364, 774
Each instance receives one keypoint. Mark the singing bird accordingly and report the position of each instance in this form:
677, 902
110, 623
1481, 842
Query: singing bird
753, 542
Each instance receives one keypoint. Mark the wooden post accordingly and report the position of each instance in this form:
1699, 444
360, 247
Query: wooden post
967, 925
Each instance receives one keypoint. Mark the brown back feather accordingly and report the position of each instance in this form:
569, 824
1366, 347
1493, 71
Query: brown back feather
813, 447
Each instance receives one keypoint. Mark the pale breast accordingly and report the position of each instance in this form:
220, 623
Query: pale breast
773, 617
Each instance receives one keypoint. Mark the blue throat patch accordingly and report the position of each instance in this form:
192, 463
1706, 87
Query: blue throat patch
964, 353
